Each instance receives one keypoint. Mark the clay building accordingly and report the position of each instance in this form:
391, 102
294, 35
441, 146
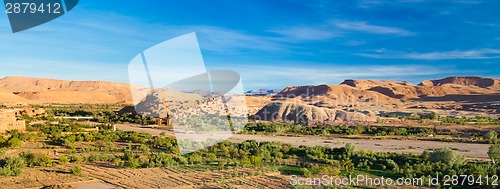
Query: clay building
8, 121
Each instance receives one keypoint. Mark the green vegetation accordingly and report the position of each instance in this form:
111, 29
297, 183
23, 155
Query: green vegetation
278, 128
105, 113
473, 120
345, 130
439, 162
36, 159
434, 116
63, 159
15, 142
11, 166
76, 170
482, 120
491, 137
142, 151
15, 139
73, 147
494, 153
446, 155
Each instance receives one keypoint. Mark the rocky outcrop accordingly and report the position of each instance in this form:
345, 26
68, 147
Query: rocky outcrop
465, 81
367, 84
296, 91
40, 91
308, 114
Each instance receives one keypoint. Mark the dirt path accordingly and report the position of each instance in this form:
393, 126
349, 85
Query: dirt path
137, 128
475, 151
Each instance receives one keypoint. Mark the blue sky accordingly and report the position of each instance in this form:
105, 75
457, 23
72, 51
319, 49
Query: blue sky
272, 44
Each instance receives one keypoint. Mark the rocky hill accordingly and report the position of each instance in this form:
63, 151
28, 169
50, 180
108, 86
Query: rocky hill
473, 94
490, 83
40, 91
399, 90
309, 115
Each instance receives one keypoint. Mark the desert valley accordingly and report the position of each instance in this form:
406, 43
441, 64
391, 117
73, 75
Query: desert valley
84, 134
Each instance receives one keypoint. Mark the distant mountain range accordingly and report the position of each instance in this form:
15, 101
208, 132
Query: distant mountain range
452, 93
451, 96
19, 90
263, 92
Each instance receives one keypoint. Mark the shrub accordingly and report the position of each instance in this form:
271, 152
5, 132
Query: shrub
76, 170
491, 137
11, 166
446, 155
245, 162
36, 159
181, 160
195, 158
210, 157
76, 159
380, 120
63, 160
305, 172
494, 153
132, 163
15, 142
434, 116
391, 165
350, 149
29, 128
118, 162
256, 160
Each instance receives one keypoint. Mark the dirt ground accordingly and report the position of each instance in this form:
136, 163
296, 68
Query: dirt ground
97, 176
182, 178
38, 177
94, 185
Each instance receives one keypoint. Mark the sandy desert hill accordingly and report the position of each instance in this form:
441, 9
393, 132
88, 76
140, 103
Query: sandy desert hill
459, 93
309, 115
361, 100
474, 94
42, 91
401, 90
466, 81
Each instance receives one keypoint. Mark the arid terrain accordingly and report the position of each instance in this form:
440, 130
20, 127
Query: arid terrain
89, 134
452, 95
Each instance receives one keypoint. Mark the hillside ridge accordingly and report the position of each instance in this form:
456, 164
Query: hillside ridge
373, 93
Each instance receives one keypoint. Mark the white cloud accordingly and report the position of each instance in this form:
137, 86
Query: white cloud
221, 39
457, 54
467, 1
334, 29
374, 3
363, 26
307, 33
91, 30
354, 42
